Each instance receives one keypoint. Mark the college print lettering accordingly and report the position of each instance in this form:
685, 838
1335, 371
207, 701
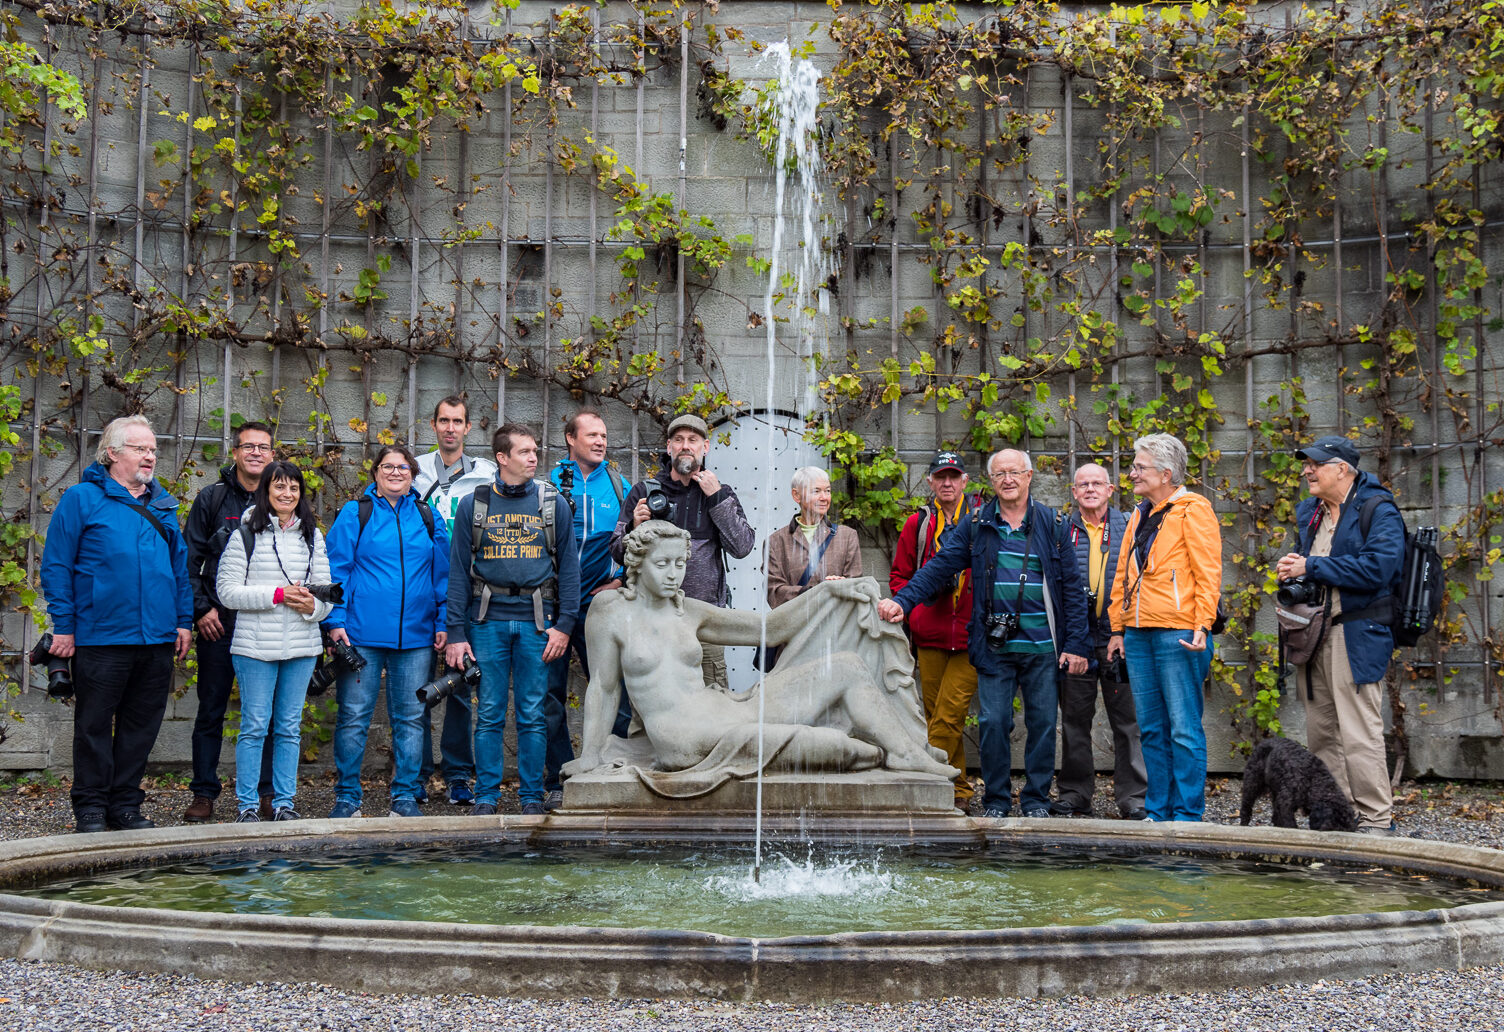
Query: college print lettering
513, 535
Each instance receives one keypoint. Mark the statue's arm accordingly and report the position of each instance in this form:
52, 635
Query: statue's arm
738, 627
598, 710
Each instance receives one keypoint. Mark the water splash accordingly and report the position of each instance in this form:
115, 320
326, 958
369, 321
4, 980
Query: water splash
795, 104
785, 878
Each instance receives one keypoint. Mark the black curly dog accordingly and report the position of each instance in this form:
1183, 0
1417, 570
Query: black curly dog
1295, 781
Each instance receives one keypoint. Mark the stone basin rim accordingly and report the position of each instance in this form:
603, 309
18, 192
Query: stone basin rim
399, 956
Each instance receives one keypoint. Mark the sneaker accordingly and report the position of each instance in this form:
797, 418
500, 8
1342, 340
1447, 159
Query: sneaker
248, 817
483, 810
1389, 832
286, 813
405, 808
460, 794
343, 810
266, 810
553, 799
1061, 808
128, 820
90, 822
200, 811
997, 812
1037, 811
533, 810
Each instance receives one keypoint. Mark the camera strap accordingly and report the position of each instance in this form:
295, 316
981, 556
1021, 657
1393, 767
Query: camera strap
149, 517
1143, 543
815, 557
278, 553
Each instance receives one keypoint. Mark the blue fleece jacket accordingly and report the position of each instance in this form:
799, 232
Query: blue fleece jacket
1364, 570
394, 574
108, 576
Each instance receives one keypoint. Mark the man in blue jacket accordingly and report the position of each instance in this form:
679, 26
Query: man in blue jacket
1028, 619
115, 574
1359, 569
514, 592
597, 492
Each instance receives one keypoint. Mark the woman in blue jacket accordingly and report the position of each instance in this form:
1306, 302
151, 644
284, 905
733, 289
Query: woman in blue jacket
392, 557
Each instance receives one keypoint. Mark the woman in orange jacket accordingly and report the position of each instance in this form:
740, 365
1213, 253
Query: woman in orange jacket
1169, 578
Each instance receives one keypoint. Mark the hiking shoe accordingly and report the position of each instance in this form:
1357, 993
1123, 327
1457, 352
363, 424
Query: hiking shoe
1060, 808
248, 817
1140, 814
997, 811
533, 810
1037, 811
286, 813
266, 810
343, 809
460, 794
200, 811
483, 810
90, 822
405, 808
1392, 830
553, 800
128, 820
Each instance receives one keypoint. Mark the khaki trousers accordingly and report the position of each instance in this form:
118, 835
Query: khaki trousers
1345, 729
948, 681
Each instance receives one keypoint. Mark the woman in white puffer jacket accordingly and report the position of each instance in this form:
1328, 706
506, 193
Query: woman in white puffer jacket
277, 637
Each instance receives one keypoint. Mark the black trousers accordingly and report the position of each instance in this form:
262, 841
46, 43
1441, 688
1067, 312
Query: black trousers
216, 676
120, 695
1078, 705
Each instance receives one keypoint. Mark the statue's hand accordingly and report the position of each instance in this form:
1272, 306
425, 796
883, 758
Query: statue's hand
851, 590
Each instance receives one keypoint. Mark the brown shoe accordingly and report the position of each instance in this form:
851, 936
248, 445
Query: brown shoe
266, 812
200, 811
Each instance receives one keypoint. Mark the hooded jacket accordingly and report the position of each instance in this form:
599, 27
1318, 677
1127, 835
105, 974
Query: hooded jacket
1364, 570
1181, 578
265, 630
395, 576
109, 577
974, 543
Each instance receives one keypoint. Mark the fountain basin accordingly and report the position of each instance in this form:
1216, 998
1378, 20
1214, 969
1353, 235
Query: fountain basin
391, 956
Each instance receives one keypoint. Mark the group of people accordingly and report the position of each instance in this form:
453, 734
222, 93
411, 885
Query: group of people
445, 561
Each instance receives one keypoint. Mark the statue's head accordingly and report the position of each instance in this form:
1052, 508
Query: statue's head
656, 554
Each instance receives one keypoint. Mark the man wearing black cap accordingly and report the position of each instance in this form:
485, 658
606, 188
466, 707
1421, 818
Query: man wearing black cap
691, 497
946, 675
1351, 541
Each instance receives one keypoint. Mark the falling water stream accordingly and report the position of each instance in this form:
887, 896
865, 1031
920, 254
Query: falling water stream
796, 169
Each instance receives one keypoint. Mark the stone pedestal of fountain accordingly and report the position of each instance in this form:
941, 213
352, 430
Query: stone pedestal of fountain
866, 792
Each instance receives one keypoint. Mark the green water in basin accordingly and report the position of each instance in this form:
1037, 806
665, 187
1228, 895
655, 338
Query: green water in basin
800, 893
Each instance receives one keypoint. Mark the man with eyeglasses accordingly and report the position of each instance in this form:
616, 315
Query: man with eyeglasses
1094, 530
215, 516
947, 679
115, 576
1350, 541
1028, 620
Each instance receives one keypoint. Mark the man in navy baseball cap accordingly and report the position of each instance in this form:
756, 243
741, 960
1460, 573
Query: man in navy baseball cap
1332, 446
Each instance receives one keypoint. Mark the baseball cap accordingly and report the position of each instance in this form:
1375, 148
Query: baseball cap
946, 460
688, 421
1333, 446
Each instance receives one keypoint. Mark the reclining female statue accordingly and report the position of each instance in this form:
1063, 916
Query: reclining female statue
841, 698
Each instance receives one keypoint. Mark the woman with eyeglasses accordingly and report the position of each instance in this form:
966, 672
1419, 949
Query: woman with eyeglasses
392, 557
263, 576
1165, 593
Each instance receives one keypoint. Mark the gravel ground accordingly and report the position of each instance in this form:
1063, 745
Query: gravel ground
60, 998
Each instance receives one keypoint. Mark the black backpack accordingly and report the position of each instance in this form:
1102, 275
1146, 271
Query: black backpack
1410, 612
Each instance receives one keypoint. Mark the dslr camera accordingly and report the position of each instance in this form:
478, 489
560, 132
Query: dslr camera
334, 594
1117, 670
59, 668
325, 672
1300, 591
659, 507
440, 688
1001, 628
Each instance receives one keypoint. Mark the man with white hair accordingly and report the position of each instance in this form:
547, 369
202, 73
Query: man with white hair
115, 575
1028, 620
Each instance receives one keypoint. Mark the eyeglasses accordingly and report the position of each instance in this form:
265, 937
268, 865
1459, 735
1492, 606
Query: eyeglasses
255, 447
388, 467
1011, 474
1092, 483
1139, 469
141, 449
1313, 464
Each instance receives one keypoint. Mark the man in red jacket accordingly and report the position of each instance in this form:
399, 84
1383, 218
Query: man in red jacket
946, 676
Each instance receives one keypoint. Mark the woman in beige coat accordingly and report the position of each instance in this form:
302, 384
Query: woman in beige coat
809, 550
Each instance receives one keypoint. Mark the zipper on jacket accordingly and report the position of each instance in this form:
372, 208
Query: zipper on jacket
401, 575
1175, 586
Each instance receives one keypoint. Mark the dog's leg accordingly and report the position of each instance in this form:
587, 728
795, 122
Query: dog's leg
1284, 808
1253, 787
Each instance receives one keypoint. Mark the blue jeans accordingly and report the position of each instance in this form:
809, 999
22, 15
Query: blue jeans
456, 744
216, 675
406, 672
556, 709
271, 705
510, 654
1167, 679
1031, 675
